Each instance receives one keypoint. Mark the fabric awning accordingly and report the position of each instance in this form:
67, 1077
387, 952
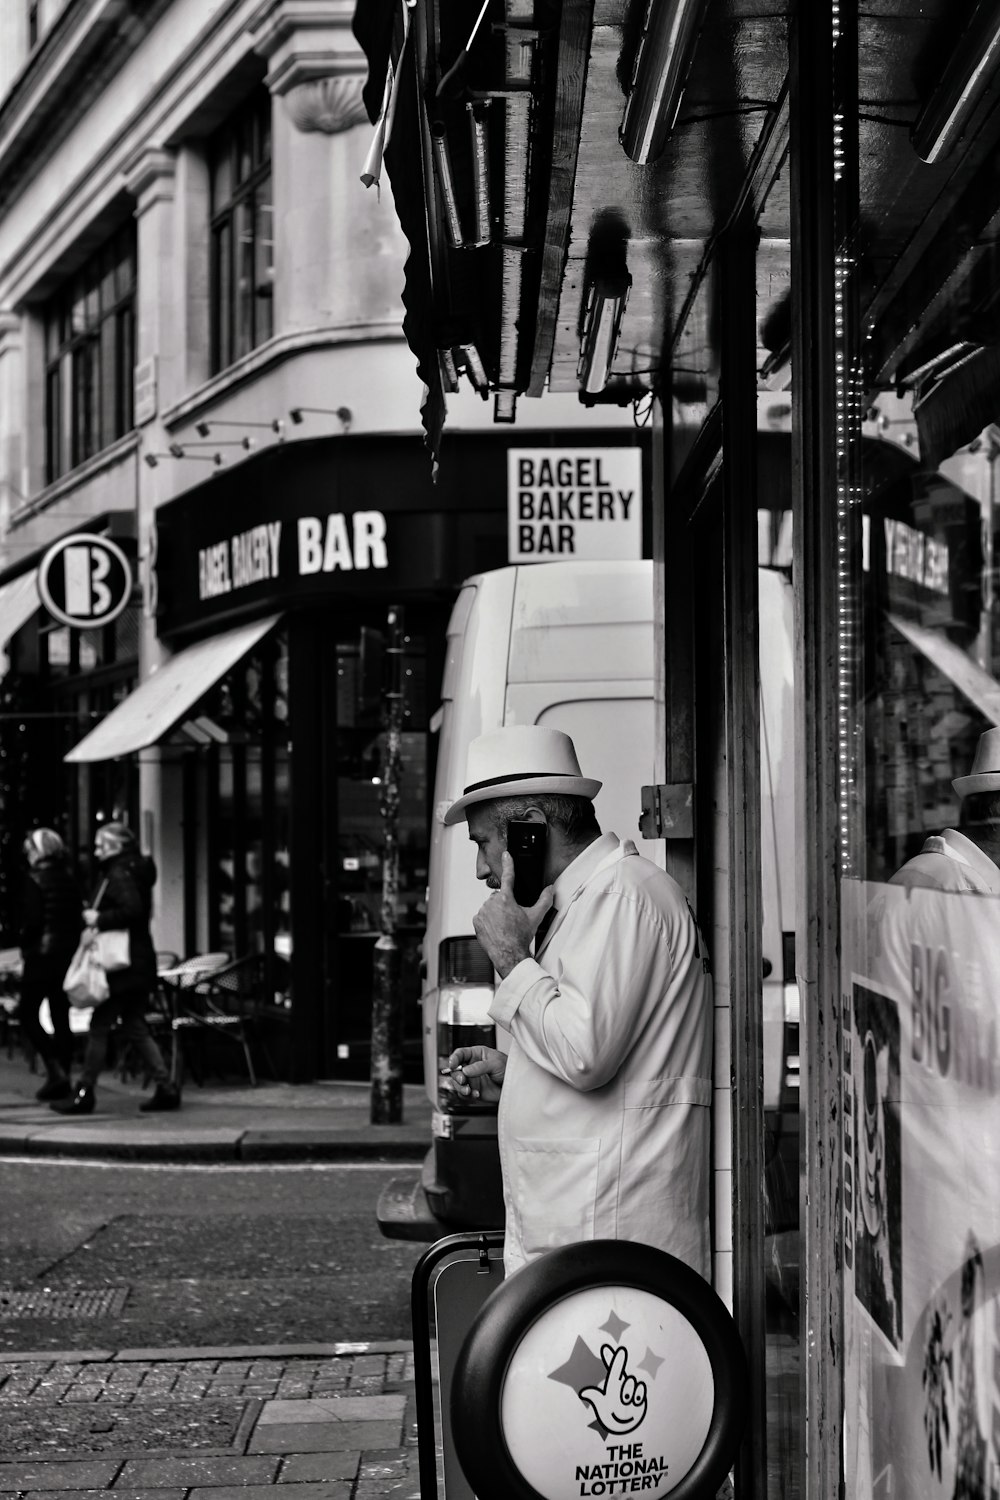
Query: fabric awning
982, 690
18, 602
159, 703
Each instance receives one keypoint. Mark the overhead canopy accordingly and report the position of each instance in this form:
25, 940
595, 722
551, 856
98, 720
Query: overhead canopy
982, 690
18, 602
166, 697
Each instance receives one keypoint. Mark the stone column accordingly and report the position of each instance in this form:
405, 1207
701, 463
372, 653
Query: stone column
339, 252
159, 361
13, 459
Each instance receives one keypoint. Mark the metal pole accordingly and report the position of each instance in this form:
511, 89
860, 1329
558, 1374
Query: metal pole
387, 1011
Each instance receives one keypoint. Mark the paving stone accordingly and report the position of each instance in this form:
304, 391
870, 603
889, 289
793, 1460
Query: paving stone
336, 1490
58, 1357
92, 1474
156, 1473
119, 1494
117, 1427
332, 1409
325, 1437
303, 1467
392, 1464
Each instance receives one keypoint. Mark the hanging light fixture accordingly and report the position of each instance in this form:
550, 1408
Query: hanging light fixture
662, 63
605, 306
479, 140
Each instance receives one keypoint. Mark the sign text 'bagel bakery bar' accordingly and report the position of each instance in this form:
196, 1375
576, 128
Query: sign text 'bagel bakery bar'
312, 523
574, 504
322, 544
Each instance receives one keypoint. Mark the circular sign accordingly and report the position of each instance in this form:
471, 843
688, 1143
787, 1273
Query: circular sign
85, 581
605, 1368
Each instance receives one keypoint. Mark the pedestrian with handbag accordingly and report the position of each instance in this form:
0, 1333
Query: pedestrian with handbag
50, 927
123, 904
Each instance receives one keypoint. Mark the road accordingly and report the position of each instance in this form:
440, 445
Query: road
197, 1256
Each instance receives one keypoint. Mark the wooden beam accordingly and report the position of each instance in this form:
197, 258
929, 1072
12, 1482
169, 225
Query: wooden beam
570, 82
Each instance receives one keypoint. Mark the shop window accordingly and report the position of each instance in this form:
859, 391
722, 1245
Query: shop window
246, 716
67, 653
89, 357
242, 233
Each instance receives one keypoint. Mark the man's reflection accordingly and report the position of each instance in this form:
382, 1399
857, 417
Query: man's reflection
966, 858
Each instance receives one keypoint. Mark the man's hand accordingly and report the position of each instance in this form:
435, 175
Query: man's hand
504, 928
90, 916
476, 1071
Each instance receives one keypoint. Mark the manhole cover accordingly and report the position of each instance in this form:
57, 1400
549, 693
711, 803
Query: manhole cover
50, 1302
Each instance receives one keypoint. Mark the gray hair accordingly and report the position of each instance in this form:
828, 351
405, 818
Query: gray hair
574, 817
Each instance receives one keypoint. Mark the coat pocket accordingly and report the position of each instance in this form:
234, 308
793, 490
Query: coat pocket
555, 1192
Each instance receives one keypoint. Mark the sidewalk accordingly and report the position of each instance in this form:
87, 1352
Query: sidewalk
220, 1122
333, 1422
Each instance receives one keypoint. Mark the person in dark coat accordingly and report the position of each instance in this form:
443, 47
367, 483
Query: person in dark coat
51, 918
123, 900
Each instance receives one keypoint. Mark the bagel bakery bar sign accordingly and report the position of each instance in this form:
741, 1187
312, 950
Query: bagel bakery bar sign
574, 504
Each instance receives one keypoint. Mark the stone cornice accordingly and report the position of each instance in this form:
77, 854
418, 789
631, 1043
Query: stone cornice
306, 40
149, 176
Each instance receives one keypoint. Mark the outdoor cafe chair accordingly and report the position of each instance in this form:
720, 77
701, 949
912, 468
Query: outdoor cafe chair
220, 999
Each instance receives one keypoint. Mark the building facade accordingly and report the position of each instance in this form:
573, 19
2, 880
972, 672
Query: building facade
201, 361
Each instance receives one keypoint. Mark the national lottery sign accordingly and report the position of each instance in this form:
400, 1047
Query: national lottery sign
921, 1171
603, 1368
574, 503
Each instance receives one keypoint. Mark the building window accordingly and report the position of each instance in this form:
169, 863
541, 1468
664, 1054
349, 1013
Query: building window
89, 357
32, 23
242, 232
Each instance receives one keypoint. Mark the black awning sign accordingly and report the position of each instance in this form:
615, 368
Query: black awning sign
85, 581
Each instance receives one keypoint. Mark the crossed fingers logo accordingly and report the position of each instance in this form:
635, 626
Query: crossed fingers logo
620, 1403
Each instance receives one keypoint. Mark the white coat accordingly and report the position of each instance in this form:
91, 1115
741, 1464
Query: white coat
604, 1121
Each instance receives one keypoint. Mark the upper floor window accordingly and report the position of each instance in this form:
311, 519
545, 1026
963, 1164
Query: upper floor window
89, 356
242, 232
33, 29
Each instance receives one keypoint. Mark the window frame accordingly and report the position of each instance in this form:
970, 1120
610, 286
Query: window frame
90, 355
240, 195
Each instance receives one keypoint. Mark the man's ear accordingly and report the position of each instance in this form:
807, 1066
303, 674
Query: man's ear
533, 815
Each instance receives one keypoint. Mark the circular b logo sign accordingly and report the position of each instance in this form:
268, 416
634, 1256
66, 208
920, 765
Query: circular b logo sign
85, 581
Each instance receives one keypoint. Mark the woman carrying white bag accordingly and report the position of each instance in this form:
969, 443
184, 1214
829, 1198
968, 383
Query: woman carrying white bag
122, 906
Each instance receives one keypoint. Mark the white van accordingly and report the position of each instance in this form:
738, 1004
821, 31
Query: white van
565, 644
569, 645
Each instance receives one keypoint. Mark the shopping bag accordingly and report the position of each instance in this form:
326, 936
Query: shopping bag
86, 983
113, 949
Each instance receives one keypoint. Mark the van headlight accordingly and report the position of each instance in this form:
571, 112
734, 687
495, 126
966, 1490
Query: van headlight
465, 993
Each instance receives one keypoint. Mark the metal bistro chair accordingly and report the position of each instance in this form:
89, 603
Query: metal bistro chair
174, 978
221, 1000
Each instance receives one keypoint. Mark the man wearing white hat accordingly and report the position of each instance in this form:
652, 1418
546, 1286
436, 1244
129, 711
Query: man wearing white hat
604, 1097
966, 858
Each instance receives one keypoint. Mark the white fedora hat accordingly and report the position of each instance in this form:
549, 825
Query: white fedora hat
520, 760
985, 773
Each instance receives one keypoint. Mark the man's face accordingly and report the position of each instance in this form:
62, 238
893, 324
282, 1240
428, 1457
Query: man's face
488, 842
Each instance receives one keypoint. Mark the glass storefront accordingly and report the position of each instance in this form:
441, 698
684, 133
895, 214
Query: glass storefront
253, 789
919, 749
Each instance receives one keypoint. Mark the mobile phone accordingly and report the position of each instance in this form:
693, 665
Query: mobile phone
526, 847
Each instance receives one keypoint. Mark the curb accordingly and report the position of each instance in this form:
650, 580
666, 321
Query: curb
223, 1351
245, 1149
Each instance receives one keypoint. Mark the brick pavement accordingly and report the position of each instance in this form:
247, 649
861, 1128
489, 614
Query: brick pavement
334, 1423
